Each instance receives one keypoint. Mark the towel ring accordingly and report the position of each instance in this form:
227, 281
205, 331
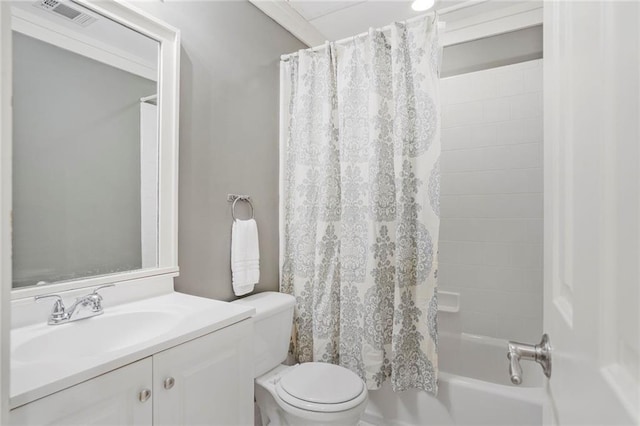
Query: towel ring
233, 207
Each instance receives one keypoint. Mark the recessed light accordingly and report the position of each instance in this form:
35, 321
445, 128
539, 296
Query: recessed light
421, 5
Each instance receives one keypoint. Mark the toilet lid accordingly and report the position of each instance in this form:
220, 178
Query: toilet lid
322, 383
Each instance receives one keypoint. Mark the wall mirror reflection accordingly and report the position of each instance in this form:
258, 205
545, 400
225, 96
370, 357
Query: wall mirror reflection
85, 145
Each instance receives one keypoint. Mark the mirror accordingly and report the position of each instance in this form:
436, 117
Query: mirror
85, 145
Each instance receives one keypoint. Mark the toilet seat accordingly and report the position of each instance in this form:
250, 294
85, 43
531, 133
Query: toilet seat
321, 387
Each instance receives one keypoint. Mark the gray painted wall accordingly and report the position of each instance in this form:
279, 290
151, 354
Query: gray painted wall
229, 99
76, 186
228, 134
490, 52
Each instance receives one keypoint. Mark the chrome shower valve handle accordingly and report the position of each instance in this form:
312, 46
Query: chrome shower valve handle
540, 353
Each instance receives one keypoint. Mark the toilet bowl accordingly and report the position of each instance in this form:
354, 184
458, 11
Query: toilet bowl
312, 393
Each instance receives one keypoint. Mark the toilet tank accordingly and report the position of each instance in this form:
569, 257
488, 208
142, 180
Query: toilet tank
272, 328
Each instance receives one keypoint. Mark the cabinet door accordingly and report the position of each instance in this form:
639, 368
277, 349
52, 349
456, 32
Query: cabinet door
107, 400
207, 381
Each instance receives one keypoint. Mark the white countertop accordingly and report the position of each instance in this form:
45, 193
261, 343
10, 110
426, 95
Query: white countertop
40, 374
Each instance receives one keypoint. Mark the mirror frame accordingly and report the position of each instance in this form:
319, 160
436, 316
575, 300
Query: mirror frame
5, 207
168, 100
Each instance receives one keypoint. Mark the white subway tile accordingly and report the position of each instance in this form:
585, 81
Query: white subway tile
483, 230
509, 329
450, 322
526, 106
531, 282
532, 79
469, 253
444, 280
527, 305
445, 91
497, 254
461, 160
452, 206
517, 131
482, 300
517, 206
485, 135
492, 182
523, 255
518, 328
536, 63
467, 87
469, 137
493, 158
478, 277
447, 252
465, 276
511, 157
496, 110
462, 114
535, 129
504, 230
461, 183
528, 180
511, 132
449, 230
504, 278
531, 329
479, 322
457, 137
534, 231
491, 206
510, 82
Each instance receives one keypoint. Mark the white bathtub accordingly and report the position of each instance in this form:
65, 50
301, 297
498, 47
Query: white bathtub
474, 389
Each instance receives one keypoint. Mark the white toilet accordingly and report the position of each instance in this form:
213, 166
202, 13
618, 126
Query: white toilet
312, 393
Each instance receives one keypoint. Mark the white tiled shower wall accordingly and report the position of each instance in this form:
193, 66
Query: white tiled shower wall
491, 205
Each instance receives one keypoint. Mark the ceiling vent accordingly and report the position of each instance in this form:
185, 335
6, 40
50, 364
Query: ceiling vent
65, 11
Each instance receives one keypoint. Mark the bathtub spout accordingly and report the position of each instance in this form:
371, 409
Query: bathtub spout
541, 353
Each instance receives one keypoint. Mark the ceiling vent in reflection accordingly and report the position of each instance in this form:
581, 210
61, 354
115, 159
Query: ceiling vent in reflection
65, 11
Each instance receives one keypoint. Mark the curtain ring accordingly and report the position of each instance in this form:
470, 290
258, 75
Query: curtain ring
233, 208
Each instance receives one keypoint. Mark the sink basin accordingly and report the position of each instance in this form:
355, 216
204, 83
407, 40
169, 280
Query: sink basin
48, 358
89, 337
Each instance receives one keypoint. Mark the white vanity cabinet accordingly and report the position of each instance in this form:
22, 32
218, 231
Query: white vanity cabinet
107, 400
207, 381
204, 381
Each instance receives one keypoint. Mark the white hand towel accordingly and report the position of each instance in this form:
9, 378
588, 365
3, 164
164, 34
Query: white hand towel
245, 256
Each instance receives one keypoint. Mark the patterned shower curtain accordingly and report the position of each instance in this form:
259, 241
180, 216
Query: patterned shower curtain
361, 204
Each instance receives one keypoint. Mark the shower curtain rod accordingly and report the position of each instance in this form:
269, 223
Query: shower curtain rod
443, 11
151, 98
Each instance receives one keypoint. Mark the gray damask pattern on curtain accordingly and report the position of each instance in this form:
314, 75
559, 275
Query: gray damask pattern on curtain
361, 204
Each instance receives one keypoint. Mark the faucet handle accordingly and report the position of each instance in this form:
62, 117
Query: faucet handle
95, 298
101, 287
58, 310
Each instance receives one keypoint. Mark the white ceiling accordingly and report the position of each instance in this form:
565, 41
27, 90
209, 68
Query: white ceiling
340, 19
337, 19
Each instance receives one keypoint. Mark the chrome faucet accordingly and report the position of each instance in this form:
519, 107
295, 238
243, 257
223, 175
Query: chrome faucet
540, 353
83, 307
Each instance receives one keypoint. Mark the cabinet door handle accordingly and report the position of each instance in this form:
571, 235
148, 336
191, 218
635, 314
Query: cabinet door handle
144, 395
169, 382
